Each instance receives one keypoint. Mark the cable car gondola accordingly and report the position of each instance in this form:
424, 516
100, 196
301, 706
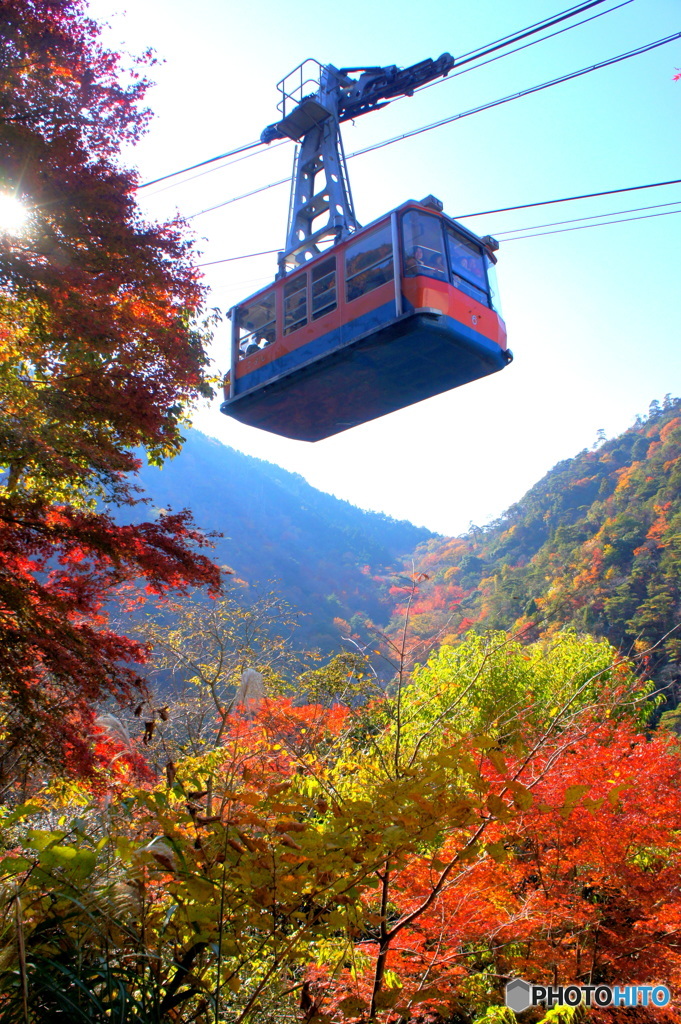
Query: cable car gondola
393, 313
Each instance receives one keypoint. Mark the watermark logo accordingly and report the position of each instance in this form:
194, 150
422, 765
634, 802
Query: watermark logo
521, 995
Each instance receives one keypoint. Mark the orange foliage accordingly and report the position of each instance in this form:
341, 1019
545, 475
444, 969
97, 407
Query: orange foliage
668, 428
624, 477
660, 525
582, 881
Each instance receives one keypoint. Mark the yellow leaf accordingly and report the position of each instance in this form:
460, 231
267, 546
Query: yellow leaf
496, 805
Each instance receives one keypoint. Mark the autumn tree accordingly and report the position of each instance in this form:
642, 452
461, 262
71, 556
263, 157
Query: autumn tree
101, 352
200, 651
377, 862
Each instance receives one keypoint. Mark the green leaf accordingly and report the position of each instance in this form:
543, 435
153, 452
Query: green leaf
79, 861
497, 852
498, 761
614, 794
352, 1006
387, 998
574, 793
19, 813
39, 839
496, 806
485, 742
572, 796
522, 798
14, 865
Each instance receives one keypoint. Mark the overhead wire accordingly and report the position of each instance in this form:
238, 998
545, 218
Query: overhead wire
516, 231
245, 256
457, 117
523, 92
514, 37
525, 46
244, 195
202, 163
568, 199
580, 227
593, 216
472, 55
230, 163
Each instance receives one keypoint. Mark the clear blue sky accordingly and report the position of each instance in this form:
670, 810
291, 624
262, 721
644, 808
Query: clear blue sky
592, 315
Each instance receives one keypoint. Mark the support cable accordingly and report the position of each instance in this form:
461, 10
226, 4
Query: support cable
457, 117
593, 216
515, 37
581, 227
211, 160
525, 46
568, 199
472, 55
230, 163
533, 227
524, 92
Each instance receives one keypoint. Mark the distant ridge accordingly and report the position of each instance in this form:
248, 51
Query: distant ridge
322, 551
595, 545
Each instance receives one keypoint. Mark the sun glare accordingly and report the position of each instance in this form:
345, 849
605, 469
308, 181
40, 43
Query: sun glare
13, 215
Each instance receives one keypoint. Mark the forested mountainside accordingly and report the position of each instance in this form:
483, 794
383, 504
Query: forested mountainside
323, 552
595, 545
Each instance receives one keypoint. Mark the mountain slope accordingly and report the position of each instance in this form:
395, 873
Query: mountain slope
595, 545
322, 551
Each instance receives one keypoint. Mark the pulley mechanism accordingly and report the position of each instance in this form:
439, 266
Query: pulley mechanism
315, 100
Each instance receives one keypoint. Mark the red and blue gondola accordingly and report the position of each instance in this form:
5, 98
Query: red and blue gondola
402, 310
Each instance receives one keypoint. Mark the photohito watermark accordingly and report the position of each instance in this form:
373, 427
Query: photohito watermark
520, 995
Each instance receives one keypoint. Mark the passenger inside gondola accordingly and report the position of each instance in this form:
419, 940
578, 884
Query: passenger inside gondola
423, 246
415, 263
468, 267
256, 325
368, 263
438, 267
324, 289
295, 304
426, 262
266, 337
